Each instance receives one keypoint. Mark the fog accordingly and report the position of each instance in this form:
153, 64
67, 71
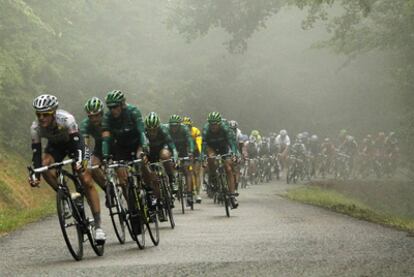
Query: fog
175, 57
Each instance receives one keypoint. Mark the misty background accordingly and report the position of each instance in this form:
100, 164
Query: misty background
269, 65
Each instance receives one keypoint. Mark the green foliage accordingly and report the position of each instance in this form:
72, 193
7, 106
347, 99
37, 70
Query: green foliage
337, 202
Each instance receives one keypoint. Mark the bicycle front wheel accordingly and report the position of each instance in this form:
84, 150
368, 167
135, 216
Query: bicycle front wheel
116, 203
224, 193
167, 202
152, 225
69, 224
135, 217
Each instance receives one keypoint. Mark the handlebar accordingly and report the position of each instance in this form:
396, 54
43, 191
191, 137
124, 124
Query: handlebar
52, 166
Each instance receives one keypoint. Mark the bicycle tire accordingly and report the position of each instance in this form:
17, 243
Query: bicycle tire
167, 202
152, 225
75, 247
135, 217
181, 192
224, 193
116, 211
98, 248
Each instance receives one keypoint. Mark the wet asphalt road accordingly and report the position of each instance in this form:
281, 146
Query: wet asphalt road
266, 236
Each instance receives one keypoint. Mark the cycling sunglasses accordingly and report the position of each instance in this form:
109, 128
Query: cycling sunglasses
44, 114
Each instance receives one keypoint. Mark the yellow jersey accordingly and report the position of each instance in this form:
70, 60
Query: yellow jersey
196, 134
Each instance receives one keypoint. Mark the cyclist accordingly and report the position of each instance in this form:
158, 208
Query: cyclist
314, 150
328, 149
392, 150
350, 148
161, 146
197, 140
283, 142
253, 155
264, 153
218, 139
122, 134
299, 152
184, 144
62, 133
256, 135
92, 127
341, 138
234, 126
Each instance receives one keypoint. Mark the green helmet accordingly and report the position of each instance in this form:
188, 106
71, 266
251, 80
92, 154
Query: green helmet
94, 106
175, 119
343, 133
152, 120
214, 117
114, 98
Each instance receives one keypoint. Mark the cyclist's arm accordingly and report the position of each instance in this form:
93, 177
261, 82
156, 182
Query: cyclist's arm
76, 144
231, 140
136, 113
36, 147
204, 141
83, 128
106, 144
169, 142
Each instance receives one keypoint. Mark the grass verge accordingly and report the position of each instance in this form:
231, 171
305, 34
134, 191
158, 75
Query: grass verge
12, 219
337, 202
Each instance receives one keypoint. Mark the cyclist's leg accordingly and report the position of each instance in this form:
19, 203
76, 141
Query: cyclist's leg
53, 153
97, 173
50, 175
228, 166
92, 196
164, 155
197, 178
211, 163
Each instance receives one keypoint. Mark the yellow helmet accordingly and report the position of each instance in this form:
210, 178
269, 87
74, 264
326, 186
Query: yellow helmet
187, 120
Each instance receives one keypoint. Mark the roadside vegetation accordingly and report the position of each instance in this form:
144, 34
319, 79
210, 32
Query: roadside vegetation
20, 204
371, 203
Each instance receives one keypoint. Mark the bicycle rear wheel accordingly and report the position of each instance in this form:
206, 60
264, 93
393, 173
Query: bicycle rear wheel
71, 229
116, 202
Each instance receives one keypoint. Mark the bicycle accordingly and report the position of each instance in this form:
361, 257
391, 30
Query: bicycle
244, 174
342, 167
222, 194
116, 201
71, 210
142, 210
166, 197
295, 169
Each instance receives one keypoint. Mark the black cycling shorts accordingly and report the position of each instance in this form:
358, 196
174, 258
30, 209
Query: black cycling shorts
219, 149
61, 150
125, 152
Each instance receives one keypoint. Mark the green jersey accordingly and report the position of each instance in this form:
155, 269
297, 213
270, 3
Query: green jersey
161, 140
126, 130
182, 139
88, 129
223, 138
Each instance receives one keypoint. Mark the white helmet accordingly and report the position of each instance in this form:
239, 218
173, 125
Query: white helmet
283, 132
45, 102
233, 124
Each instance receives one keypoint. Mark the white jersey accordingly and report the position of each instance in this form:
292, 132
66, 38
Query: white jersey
65, 126
283, 141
